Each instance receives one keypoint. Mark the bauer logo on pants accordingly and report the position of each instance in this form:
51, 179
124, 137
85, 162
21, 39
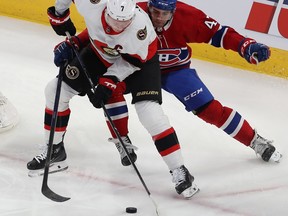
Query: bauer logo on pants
72, 72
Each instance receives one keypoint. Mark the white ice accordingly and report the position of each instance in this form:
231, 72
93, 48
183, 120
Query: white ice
232, 179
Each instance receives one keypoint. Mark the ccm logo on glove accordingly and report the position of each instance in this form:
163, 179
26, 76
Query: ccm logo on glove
253, 52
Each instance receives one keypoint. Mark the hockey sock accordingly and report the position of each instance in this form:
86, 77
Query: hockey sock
61, 124
118, 111
229, 120
168, 147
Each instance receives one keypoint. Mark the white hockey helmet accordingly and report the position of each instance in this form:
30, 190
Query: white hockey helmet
121, 10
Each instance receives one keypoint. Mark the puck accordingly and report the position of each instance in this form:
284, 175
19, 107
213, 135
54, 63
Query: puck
131, 210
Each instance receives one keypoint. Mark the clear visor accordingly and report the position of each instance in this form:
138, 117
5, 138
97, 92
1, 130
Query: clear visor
117, 25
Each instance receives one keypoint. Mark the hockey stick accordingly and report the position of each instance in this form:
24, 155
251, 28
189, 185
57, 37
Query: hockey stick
129, 157
46, 191
110, 120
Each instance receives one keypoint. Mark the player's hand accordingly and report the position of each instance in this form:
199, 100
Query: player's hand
63, 52
61, 22
254, 52
106, 86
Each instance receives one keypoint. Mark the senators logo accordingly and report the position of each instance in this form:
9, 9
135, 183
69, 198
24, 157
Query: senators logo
111, 51
72, 72
104, 48
142, 34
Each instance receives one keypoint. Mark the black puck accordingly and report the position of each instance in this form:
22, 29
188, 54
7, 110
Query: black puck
131, 210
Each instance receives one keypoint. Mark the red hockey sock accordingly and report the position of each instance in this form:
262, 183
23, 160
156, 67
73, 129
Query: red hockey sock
227, 119
118, 111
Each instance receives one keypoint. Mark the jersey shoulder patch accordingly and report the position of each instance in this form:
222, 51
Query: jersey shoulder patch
142, 34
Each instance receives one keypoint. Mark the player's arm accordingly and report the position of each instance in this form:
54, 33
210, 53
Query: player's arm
248, 48
226, 37
64, 51
62, 5
59, 17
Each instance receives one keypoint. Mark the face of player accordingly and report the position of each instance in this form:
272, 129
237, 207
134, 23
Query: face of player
116, 25
159, 17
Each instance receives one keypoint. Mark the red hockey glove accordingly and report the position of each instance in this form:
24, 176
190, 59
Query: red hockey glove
106, 86
253, 52
61, 23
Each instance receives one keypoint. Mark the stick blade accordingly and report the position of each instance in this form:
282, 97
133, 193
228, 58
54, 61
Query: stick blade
46, 191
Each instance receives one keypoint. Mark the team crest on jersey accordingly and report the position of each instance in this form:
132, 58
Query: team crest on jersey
173, 57
95, 1
142, 34
72, 72
111, 51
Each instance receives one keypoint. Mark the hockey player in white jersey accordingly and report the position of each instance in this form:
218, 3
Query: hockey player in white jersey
119, 50
8, 114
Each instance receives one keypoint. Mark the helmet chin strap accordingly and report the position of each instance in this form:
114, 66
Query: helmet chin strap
169, 20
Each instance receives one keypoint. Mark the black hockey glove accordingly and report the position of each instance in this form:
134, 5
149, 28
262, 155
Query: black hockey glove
253, 52
61, 23
106, 86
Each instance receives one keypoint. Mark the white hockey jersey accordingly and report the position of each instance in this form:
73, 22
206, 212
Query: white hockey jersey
137, 40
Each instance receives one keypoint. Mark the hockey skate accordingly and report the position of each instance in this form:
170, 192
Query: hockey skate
265, 149
130, 148
184, 182
58, 157
8, 114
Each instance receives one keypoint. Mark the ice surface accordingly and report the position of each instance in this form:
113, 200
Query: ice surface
233, 181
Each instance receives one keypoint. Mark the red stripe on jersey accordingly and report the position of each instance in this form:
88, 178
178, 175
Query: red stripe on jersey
152, 49
94, 47
84, 37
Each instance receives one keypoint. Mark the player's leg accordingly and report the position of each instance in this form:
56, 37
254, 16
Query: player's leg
116, 105
117, 109
197, 98
145, 86
74, 83
37, 164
